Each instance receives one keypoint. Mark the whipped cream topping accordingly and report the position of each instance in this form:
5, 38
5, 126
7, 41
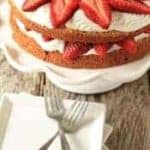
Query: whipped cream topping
40, 16
120, 20
52, 45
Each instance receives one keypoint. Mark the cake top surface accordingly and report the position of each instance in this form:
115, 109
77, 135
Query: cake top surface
88, 15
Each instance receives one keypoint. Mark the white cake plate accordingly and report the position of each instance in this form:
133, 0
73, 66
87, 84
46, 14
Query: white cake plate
85, 81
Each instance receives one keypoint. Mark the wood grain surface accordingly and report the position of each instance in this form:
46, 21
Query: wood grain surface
128, 107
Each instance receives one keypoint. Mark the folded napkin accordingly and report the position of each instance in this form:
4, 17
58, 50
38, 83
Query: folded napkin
24, 125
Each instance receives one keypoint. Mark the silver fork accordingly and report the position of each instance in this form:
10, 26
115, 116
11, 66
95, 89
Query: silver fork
71, 119
54, 106
54, 109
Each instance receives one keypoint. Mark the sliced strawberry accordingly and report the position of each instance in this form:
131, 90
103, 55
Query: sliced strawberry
46, 39
129, 45
98, 11
130, 6
30, 5
62, 10
146, 2
147, 31
101, 49
74, 50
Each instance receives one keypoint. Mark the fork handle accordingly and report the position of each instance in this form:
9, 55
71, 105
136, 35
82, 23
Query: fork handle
49, 142
64, 142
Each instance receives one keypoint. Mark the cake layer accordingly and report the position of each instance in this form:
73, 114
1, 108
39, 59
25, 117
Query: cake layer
91, 61
51, 45
76, 35
59, 45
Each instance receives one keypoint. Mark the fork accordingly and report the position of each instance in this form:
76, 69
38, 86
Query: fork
54, 106
71, 119
54, 109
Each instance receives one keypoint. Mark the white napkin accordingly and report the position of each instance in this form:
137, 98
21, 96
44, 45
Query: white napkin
29, 127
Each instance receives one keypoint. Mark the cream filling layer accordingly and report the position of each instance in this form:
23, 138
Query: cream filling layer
59, 45
120, 21
52, 45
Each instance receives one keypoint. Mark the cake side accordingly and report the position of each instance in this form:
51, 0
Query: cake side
66, 42
87, 61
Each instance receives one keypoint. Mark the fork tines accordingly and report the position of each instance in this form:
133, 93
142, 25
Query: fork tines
53, 105
75, 114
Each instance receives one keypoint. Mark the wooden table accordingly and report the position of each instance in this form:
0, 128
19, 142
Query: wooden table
128, 107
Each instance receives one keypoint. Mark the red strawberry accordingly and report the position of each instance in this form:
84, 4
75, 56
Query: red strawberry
147, 31
129, 45
101, 49
130, 6
74, 50
62, 10
146, 2
30, 5
46, 39
98, 11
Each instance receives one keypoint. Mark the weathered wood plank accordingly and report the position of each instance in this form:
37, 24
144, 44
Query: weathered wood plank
128, 107
12, 80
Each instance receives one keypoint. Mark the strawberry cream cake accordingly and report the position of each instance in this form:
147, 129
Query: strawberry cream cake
82, 33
